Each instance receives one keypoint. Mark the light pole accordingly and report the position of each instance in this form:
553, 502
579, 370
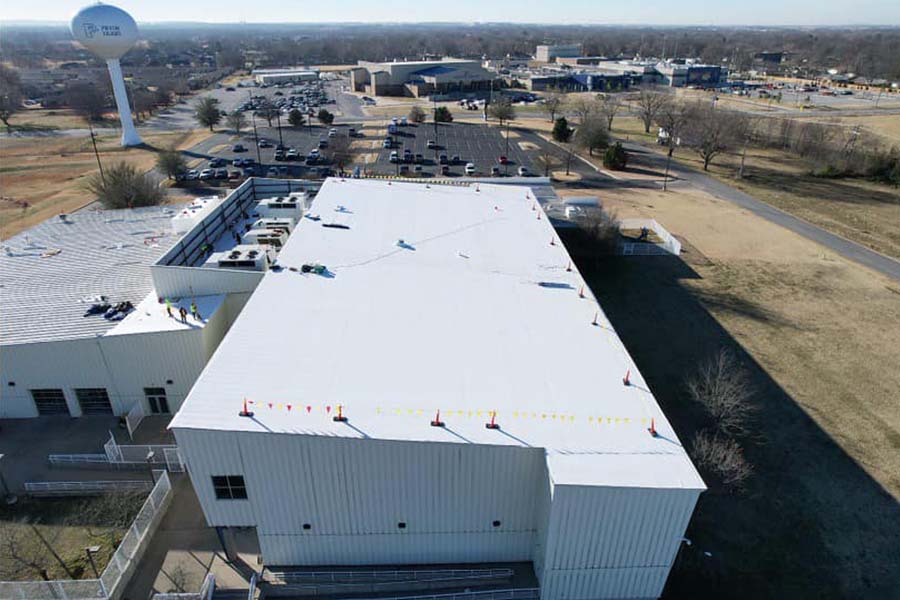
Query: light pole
506, 166
90, 551
278, 119
150, 456
255, 133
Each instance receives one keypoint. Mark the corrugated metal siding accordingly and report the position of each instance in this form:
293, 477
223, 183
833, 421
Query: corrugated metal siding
124, 365
177, 282
355, 492
613, 542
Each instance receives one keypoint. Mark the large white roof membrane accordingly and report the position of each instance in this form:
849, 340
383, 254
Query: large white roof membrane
478, 310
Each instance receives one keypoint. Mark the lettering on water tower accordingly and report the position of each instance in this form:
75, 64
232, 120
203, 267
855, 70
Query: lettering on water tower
90, 30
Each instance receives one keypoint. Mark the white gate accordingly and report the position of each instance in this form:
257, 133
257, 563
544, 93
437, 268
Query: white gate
113, 452
173, 460
134, 418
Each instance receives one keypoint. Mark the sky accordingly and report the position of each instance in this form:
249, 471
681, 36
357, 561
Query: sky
648, 12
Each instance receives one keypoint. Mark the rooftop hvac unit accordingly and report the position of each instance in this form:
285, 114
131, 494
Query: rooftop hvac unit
285, 223
250, 257
291, 207
266, 237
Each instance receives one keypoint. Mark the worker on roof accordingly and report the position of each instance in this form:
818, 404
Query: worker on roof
182, 312
169, 307
194, 312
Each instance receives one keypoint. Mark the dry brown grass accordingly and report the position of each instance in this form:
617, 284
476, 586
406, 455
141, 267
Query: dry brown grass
820, 334
39, 118
49, 173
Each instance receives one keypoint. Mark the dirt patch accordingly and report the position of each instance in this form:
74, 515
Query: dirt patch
561, 176
531, 146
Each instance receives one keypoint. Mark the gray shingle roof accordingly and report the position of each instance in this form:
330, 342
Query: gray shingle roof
100, 252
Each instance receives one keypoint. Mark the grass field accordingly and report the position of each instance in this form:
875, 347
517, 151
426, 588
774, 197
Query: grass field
42, 177
819, 336
885, 126
67, 525
39, 119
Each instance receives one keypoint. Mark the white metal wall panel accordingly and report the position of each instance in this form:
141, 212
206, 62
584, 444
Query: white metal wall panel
175, 282
411, 548
604, 583
613, 542
209, 453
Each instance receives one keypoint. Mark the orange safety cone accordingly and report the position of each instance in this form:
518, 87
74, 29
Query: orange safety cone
627, 379
437, 420
245, 412
339, 417
652, 428
552, 242
581, 292
596, 316
539, 215
533, 207
493, 424
569, 267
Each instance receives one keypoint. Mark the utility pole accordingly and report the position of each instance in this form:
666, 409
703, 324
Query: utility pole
278, 119
255, 134
506, 166
96, 153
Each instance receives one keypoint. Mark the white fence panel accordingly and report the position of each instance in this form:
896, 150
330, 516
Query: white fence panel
134, 417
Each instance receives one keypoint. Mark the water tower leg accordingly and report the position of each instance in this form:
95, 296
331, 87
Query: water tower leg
130, 135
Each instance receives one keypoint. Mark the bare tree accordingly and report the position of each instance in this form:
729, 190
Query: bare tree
672, 117
123, 186
502, 110
582, 107
721, 456
649, 103
722, 386
20, 550
609, 106
548, 160
592, 134
236, 121
711, 131
553, 101
416, 114
10, 94
601, 228
340, 152
88, 100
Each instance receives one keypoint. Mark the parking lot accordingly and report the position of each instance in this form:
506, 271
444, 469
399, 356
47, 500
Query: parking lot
478, 144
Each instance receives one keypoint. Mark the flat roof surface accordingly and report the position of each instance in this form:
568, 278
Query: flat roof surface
48, 270
474, 312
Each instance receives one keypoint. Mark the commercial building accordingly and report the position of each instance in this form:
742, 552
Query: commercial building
285, 75
425, 378
688, 73
549, 53
420, 78
85, 325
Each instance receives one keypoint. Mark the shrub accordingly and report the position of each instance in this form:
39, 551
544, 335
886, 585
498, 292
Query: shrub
722, 458
123, 186
615, 158
722, 386
562, 133
442, 114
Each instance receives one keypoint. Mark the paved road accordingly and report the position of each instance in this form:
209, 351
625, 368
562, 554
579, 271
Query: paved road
846, 248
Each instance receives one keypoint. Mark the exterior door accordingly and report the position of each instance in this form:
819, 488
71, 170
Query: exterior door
94, 401
50, 402
156, 399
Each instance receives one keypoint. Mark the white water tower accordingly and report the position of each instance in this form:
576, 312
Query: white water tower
109, 32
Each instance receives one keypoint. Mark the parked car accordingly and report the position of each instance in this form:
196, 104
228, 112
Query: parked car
272, 172
442, 159
230, 89
523, 172
249, 171
192, 175
215, 163
455, 159
386, 144
291, 154
403, 122
238, 148
394, 156
445, 169
431, 144
234, 174
279, 155
265, 144
419, 159
323, 143
495, 171
238, 162
332, 132
502, 160
470, 168
351, 132
221, 174
206, 174
417, 168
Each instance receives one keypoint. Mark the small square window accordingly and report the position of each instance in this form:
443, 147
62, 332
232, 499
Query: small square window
229, 487
496, 523
402, 524
307, 526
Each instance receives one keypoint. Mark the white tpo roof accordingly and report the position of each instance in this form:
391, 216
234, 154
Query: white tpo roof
475, 311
